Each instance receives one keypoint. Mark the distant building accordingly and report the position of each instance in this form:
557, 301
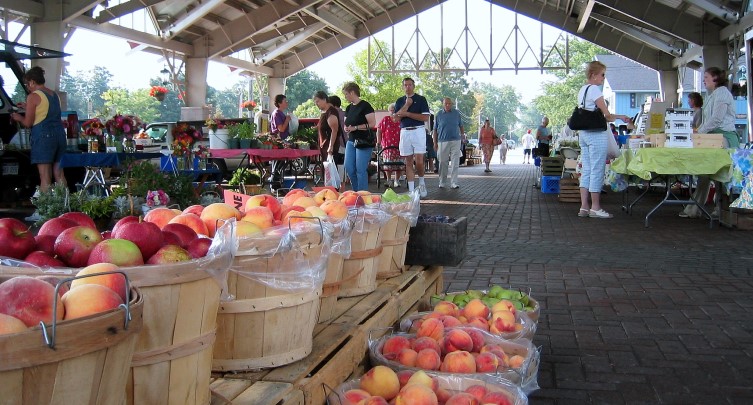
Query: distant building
628, 83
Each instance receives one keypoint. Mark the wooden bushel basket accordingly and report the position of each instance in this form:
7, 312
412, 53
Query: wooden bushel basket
173, 358
88, 365
360, 269
394, 242
331, 287
265, 326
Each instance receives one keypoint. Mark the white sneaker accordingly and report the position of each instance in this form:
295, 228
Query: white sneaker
33, 217
454, 186
422, 190
441, 185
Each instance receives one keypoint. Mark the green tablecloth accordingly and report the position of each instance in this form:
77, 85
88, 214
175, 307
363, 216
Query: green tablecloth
715, 163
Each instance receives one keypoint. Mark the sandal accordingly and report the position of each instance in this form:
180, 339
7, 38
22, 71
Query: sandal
599, 214
583, 213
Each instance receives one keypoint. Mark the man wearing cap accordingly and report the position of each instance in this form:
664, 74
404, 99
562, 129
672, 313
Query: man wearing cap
412, 110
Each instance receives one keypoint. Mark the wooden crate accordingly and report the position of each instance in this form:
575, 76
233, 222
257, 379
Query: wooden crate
339, 346
714, 141
569, 191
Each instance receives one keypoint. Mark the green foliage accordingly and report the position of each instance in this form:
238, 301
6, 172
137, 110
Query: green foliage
301, 87
142, 176
53, 202
379, 89
137, 102
244, 176
309, 135
85, 89
246, 130
307, 110
93, 205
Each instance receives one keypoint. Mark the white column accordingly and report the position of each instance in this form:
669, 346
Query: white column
196, 81
276, 86
49, 35
668, 86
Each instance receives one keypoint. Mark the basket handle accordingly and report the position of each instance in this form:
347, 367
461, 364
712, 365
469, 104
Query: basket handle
321, 226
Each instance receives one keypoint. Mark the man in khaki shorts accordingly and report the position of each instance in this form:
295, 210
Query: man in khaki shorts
412, 110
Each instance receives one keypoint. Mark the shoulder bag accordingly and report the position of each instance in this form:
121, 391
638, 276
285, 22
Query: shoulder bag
587, 120
497, 141
367, 141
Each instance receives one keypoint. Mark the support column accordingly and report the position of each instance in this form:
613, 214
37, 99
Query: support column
196, 81
715, 56
276, 86
668, 85
49, 34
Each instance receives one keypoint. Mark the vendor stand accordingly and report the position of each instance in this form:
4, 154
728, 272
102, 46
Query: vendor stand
94, 162
258, 158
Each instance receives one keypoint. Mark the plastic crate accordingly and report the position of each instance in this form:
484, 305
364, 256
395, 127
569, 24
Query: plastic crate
550, 184
433, 243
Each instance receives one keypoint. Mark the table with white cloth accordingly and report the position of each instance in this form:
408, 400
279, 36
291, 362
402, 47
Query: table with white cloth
652, 164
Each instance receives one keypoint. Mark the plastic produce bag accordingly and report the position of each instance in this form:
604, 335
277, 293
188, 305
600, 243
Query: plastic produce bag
527, 329
406, 205
331, 176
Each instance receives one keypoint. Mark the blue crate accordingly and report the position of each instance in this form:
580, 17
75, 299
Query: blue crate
550, 184
537, 161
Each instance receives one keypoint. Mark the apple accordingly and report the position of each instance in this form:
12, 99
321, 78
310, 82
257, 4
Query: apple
15, 239
54, 281
146, 235
169, 238
56, 226
120, 252
74, 245
125, 220
265, 200
194, 209
169, 254
114, 281
106, 235
46, 243
43, 259
80, 219
199, 247
30, 300
184, 233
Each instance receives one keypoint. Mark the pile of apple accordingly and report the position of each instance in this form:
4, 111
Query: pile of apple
26, 301
502, 319
381, 386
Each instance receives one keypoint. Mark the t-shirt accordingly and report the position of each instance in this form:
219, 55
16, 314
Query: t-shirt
527, 141
278, 118
447, 124
544, 132
594, 93
355, 114
419, 106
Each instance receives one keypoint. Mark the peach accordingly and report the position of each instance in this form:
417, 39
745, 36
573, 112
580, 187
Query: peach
407, 357
478, 322
354, 396
294, 217
477, 337
504, 305
420, 377
192, 221
450, 321
10, 324
350, 198
218, 212
394, 345
30, 300
496, 398
317, 212
502, 322
374, 400
304, 201
462, 398
458, 362
381, 381
160, 216
245, 229
447, 308
476, 307
194, 209
443, 395
428, 359
497, 351
325, 195
416, 394
114, 281
259, 216
516, 361
366, 197
54, 280
457, 339
404, 375
335, 209
425, 342
477, 391
487, 362
264, 200
89, 299
293, 195
432, 328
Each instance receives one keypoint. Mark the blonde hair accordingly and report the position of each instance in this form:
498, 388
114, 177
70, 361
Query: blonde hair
594, 68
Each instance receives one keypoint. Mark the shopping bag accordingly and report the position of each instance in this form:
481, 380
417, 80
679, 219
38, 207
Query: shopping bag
331, 176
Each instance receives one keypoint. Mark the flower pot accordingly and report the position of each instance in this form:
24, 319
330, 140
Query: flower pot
232, 143
160, 96
218, 139
255, 144
245, 143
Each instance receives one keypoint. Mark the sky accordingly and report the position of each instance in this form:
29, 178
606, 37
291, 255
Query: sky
134, 69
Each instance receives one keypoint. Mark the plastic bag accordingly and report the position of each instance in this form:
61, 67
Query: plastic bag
410, 324
331, 176
613, 150
409, 210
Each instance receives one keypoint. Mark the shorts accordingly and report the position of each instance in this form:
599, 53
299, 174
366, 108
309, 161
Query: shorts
526, 152
48, 144
412, 141
430, 152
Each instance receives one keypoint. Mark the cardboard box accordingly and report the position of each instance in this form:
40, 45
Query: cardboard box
714, 141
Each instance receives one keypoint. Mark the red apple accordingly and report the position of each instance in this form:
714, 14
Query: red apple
146, 235
184, 233
120, 252
43, 259
199, 247
74, 245
15, 239
123, 221
54, 280
30, 300
106, 235
169, 238
46, 243
80, 219
56, 226
169, 254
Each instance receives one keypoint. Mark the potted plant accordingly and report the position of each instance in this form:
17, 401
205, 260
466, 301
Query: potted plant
246, 132
232, 136
309, 135
52, 203
246, 179
158, 92
98, 208
218, 132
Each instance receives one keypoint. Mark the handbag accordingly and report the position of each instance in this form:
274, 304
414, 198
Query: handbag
369, 141
497, 141
587, 120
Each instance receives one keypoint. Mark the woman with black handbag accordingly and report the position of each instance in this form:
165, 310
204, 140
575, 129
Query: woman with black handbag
359, 121
594, 143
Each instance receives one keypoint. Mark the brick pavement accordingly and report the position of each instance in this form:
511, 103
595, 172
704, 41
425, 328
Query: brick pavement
630, 315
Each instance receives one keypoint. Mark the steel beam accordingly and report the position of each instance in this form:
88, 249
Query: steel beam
291, 43
192, 16
28, 8
584, 16
638, 34
333, 21
132, 35
123, 9
74, 8
716, 10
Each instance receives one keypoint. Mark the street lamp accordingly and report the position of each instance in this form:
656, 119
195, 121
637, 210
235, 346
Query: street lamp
165, 76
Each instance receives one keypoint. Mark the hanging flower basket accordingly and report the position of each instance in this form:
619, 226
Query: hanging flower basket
158, 92
160, 96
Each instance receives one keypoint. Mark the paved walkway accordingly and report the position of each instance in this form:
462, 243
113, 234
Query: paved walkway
629, 314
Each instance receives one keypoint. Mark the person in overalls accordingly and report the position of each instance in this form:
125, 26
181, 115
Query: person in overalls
42, 115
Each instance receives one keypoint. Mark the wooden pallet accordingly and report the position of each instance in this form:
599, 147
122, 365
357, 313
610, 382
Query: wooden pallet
339, 347
569, 191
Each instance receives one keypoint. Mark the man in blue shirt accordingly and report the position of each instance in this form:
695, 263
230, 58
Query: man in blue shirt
412, 111
448, 127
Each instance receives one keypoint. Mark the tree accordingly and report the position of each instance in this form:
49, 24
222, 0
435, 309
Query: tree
300, 87
499, 104
307, 110
167, 110
379, 89
138, 103
85, 90
559, 96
